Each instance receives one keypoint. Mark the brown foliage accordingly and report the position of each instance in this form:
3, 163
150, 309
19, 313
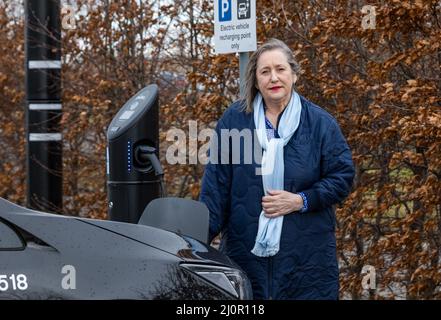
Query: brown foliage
12, 147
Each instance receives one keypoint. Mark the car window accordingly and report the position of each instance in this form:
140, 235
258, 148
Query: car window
8, 238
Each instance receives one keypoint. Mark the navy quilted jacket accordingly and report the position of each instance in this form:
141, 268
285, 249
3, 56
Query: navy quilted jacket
318, 162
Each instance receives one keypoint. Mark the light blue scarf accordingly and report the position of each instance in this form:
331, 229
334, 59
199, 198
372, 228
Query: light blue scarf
273, 169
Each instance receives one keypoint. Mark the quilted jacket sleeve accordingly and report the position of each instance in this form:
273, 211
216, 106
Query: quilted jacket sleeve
216, 184
337, 171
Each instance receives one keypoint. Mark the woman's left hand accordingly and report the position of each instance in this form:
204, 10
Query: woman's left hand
280, 202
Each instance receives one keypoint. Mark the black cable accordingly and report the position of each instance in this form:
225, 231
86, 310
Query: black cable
162, 184
145, 156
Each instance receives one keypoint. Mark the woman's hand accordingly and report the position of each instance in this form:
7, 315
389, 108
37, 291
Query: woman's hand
279, 202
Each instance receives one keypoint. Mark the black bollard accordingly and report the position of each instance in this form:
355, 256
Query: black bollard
133, 170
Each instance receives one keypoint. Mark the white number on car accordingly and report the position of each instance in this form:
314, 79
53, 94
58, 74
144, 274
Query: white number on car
15, 282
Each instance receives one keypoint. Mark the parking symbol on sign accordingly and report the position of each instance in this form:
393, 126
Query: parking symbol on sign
224, 10
243, 9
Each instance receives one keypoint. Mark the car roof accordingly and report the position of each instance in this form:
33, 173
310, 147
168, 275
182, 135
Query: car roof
64, 233
7, 208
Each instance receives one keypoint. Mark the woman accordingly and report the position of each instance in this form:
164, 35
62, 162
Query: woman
278, 223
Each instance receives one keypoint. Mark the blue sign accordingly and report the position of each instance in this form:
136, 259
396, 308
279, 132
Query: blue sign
224, 10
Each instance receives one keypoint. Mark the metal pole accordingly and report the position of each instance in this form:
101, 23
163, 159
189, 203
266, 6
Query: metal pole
243, 62
43, 105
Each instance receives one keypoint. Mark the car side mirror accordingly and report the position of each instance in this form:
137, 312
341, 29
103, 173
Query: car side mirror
182, 216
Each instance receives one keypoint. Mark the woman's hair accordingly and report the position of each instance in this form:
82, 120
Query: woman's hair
250, 78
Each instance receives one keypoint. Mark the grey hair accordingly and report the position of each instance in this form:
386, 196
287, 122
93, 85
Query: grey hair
250, 77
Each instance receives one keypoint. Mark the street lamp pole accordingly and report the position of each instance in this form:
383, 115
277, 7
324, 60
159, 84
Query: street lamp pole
43, 105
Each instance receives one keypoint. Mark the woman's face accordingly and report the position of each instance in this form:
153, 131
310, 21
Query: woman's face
274, 77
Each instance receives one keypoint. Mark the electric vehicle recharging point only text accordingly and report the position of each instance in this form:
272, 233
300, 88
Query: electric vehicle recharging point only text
134, 174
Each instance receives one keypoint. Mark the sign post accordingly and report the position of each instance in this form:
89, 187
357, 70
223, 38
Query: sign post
235, 31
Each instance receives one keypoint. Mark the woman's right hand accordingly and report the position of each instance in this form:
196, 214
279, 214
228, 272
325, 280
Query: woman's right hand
280, 202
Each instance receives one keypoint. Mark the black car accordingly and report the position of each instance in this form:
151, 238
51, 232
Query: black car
49, 256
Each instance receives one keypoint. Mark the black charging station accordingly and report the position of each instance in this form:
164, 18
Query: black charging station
134, 173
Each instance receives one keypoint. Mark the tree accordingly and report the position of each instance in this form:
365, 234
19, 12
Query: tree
12, 147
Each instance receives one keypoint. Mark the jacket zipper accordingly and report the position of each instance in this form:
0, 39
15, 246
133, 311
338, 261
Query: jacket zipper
270, 279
